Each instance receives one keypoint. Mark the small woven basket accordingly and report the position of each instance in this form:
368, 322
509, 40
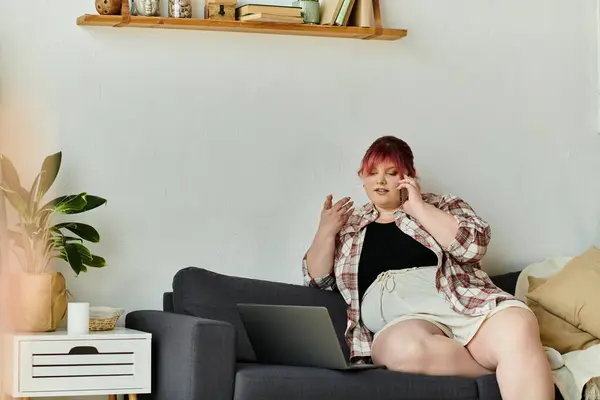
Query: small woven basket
103, 324
104, 318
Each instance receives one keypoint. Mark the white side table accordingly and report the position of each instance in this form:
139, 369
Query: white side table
99, 363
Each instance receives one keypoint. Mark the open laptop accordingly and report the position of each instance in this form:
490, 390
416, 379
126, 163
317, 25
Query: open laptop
295, 335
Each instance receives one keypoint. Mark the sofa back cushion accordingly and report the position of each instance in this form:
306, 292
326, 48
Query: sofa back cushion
203, 293
507, 281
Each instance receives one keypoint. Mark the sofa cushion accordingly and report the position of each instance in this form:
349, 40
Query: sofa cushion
203, 293
555, 332
259, 382
572, 293
507, 281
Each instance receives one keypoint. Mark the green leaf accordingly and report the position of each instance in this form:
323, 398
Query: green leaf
72, 239
91, 203
15, 198
85, 254
50, 168
73, 257
95, 262
66, 204
61, 240
9, 174
11, 184
33, 196
84, 231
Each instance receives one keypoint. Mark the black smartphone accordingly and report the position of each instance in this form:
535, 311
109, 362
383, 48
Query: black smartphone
403, 195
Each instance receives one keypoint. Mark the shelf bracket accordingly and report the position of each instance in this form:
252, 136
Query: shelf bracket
378, 30
126, 14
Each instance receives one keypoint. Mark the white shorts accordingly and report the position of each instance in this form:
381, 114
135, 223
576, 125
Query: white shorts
401, 295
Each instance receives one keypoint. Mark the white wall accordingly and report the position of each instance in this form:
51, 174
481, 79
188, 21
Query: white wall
217, 149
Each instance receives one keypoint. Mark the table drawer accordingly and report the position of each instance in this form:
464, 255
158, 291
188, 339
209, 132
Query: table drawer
72, 365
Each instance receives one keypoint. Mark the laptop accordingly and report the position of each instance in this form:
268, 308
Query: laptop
295, 335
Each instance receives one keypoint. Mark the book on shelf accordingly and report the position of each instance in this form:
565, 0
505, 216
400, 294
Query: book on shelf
362, 14
266, 17
347, 13
344, 14
330, 10
288, 11
269, 13
333, 12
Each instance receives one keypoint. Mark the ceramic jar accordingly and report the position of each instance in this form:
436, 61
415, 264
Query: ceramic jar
108, 7
310, 10
180, 8
145, 8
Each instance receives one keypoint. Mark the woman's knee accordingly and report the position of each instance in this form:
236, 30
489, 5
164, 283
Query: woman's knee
521, 334
402, 353
411, 357
521, 327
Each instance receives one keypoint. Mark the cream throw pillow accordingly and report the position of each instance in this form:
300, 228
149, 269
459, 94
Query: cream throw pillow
573, 294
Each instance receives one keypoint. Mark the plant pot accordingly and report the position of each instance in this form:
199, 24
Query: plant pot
34, 302
311, 12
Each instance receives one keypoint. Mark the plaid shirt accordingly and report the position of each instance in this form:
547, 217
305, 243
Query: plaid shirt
459, 277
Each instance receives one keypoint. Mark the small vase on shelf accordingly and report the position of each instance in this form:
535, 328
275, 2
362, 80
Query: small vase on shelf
311, 11
108, 7
180, 8
145, 8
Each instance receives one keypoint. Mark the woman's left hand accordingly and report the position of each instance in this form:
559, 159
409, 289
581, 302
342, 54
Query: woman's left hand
415, 202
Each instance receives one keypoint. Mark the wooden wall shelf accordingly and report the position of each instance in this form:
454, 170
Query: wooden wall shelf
347, 32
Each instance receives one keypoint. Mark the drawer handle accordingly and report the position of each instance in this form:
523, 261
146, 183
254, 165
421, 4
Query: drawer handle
84, 350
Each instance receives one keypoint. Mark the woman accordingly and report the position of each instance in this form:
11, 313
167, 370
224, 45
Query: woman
407, 264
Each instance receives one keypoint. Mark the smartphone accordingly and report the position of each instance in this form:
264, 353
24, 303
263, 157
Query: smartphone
403, 195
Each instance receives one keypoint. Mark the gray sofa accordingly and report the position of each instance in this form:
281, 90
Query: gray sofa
200, 350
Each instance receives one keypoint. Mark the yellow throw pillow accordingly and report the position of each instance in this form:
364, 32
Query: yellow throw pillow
573, 294
554, 331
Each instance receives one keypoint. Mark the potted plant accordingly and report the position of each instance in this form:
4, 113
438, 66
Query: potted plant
311, 11
36, 288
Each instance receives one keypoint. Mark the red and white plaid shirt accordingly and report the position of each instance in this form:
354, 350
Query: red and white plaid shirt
459, 277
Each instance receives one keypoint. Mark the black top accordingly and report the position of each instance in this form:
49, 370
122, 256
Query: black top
386, 247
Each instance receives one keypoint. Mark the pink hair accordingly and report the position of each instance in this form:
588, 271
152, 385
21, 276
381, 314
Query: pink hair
389, 149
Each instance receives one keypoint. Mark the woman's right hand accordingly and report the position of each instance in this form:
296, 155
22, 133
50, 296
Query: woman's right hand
334, 216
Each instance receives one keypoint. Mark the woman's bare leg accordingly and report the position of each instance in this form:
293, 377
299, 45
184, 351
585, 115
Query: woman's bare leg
509, 342
418, 346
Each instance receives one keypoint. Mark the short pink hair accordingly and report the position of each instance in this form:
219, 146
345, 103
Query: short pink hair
389, 149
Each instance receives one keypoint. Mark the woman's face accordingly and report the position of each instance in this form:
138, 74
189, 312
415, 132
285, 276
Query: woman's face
380, 185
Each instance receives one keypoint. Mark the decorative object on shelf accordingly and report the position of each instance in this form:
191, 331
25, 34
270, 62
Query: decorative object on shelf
125, 20
145, 8
78, 318
310, 10
362, 14
220, 10
37, 291
104, 318
180, 8
109, 7
269, 13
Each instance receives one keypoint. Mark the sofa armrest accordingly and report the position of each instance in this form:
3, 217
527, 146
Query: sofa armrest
192, 358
